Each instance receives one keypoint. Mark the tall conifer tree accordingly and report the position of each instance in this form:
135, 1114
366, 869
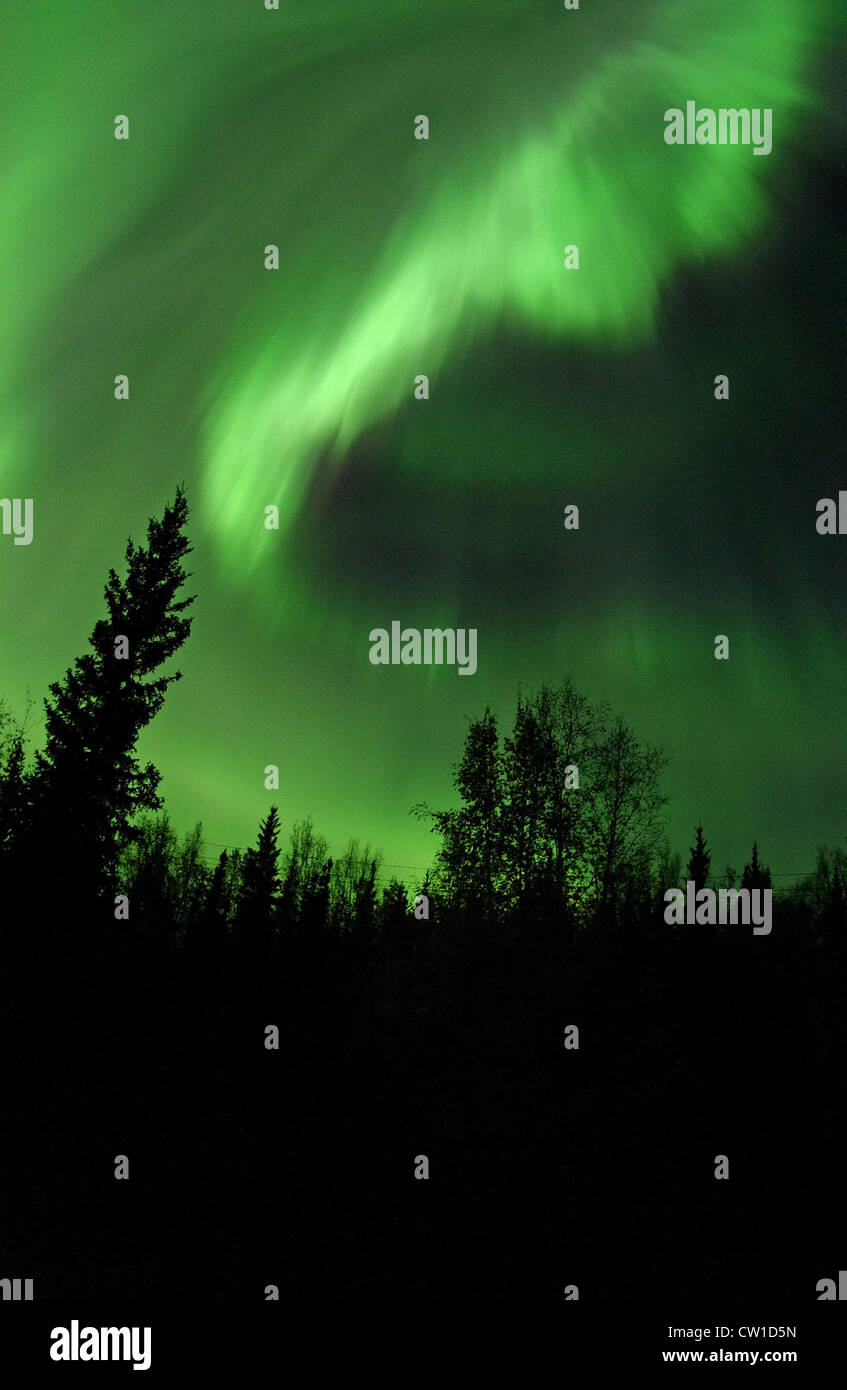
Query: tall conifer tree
699, 861
88, 783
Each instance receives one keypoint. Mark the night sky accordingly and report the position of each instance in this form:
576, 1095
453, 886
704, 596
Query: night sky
548, 386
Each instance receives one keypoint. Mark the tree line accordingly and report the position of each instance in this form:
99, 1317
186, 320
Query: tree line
560, 821
271, 1035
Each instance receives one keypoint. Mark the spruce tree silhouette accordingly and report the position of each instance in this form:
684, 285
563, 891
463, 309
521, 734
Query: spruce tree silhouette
13, 788
207, 935
755, 875
87, 784
260, 885
699, 861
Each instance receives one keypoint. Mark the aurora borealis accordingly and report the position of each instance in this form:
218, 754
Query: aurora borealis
294, 387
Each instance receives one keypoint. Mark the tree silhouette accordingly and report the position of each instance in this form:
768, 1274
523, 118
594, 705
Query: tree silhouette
699, 861
88, 784
625, 806
836, 912
314, 905
384, 1017
470, 851
260, 883
575, 729
14, 792
213, 916
526, 772
529, 832
365, 907
352, 888
307, 852
394, 913
755, 875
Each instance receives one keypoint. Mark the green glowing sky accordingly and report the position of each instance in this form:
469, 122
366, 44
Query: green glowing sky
400, 257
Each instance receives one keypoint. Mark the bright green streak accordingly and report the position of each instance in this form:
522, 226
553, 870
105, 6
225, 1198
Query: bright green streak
483, 236
546, 130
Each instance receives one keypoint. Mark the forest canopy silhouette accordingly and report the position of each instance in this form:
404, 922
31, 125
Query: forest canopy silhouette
560, 820
302, 1027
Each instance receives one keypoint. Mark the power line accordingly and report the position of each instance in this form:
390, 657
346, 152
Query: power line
390, 864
